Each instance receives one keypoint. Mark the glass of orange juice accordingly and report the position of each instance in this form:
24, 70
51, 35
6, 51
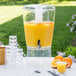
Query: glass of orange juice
38, 28
61, 67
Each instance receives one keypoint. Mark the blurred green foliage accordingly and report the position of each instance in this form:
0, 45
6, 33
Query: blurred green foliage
32, 1
71, 51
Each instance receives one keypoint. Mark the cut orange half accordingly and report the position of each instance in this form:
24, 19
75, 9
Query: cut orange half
58, 57
54, 63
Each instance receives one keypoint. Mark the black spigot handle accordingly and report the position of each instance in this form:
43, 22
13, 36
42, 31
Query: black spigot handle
38, 44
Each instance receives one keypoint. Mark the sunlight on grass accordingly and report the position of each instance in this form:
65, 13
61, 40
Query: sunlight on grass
63, 3
9, 12
67, 3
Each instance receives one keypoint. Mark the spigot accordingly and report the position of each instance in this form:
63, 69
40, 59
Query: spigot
38, 44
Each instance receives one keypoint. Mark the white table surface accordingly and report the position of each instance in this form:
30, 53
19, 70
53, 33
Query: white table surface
32, 64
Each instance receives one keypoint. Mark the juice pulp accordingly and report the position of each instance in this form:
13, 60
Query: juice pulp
61, 67
39, 31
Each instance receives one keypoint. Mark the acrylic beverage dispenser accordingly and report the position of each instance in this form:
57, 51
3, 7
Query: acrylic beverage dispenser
38, 28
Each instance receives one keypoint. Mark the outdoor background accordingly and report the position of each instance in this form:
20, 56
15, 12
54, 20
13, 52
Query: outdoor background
11, 23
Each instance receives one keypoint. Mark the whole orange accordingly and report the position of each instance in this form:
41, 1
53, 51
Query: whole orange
68, 60
59, 57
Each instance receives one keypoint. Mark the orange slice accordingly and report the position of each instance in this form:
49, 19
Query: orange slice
68, 60
54, 63
59, 57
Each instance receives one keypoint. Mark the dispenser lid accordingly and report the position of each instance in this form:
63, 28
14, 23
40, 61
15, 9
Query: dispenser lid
44, 6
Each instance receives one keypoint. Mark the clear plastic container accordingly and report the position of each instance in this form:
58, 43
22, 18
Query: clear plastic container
38, 28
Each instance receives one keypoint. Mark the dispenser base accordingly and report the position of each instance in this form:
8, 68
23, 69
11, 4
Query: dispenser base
38, 52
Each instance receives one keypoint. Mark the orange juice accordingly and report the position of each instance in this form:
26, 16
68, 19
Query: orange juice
61, 67
39, 31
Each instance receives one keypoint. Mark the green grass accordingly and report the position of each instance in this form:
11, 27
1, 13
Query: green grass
62, 36
14, 26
